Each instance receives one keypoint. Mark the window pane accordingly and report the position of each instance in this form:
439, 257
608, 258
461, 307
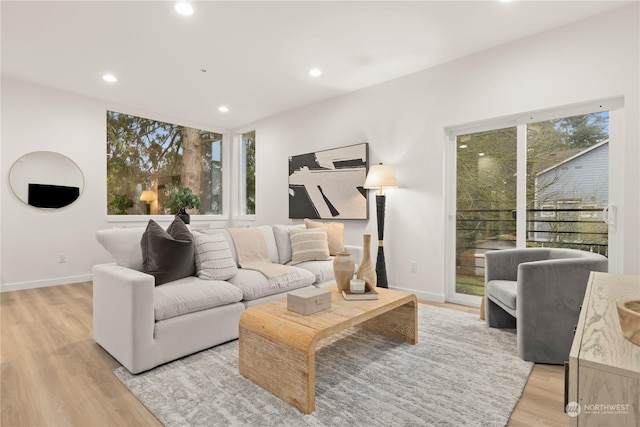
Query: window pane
151, 164
486, 200
248, 173
568, 182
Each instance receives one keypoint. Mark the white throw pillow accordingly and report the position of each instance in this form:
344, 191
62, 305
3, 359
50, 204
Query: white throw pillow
309, 245
213, 257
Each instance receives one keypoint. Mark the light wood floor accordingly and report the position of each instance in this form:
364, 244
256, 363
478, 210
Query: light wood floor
54, 374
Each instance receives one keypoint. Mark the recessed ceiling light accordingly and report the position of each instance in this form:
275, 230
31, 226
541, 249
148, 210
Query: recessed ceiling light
184, 8
223, 109
109, 78
463, 146
481, 154
315, 72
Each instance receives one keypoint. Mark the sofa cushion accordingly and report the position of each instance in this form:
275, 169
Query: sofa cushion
504, 291
283, 240
309, 245
335, 234
254, 284
167, 255
191, 294
124, 245
270, 240
213, 257
322, 270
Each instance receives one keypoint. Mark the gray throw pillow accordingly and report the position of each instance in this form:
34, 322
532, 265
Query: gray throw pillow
167, 255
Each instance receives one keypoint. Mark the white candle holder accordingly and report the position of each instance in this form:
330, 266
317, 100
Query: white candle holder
356, 286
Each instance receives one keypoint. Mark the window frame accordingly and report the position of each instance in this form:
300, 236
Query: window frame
238, 185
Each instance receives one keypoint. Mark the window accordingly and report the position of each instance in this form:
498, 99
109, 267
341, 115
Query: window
550, 214
590, 211
248, 173
150, 164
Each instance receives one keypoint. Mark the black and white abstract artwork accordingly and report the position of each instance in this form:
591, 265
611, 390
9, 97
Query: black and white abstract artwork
329, 184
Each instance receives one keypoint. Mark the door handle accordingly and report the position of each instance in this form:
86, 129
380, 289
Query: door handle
609, 214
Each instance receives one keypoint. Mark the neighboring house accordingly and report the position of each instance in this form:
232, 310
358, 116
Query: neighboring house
574, 192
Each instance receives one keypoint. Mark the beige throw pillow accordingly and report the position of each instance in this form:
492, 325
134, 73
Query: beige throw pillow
309, 245
335, 234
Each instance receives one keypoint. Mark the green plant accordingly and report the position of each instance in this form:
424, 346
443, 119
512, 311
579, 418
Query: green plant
178, 198
120, 204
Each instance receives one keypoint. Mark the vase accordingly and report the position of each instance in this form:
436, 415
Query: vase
366, 271
343, 269
184, 216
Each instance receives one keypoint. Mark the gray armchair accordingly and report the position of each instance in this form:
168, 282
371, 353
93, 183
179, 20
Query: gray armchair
538, 292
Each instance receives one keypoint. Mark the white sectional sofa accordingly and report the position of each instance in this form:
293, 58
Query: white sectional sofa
143, 325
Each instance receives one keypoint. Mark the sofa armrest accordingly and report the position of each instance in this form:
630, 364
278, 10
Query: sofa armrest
123, 312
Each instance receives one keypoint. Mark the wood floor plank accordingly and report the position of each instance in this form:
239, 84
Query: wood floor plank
52, 373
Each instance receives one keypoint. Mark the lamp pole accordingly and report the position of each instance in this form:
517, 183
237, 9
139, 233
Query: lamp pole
381, 268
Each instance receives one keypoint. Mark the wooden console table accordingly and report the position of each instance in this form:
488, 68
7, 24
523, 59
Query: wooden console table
277, 346
604, 367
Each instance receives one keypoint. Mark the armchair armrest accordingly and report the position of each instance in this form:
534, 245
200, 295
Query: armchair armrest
544, 286
548, 305
123, 312
503, 264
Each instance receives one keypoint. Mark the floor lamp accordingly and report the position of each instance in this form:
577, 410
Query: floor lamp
381, 176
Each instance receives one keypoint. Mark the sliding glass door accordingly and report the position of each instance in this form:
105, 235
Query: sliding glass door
540, 184
486, 202
568, 182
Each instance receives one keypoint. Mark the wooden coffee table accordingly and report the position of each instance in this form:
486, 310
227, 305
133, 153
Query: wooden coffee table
277, 346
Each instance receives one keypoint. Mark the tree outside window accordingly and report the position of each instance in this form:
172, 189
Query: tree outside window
148, 161
248, 173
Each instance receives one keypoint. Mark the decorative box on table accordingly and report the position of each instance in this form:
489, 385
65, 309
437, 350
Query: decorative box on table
308, 300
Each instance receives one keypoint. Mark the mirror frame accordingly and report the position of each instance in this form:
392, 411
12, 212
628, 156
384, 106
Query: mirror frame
66, 173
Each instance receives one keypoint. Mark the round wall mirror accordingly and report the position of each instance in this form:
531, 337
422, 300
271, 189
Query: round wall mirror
45, 179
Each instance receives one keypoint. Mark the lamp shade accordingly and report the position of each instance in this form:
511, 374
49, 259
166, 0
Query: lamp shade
147, 196
380, 176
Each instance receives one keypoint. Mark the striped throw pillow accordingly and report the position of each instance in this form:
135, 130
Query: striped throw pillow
335, 234
309, 245
213, 257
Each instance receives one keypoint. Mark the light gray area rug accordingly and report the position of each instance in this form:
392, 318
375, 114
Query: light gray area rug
459, 373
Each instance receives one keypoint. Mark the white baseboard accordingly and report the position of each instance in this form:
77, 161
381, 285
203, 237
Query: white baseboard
7, 287
422, 295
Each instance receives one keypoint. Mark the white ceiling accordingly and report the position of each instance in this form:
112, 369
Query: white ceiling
256, 54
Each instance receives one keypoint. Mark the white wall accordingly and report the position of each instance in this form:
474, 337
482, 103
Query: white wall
35, 118
403, 120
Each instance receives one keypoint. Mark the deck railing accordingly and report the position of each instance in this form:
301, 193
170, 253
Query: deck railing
482, 230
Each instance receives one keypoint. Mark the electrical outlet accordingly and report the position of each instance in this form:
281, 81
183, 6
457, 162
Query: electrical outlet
62, 258
413, 266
